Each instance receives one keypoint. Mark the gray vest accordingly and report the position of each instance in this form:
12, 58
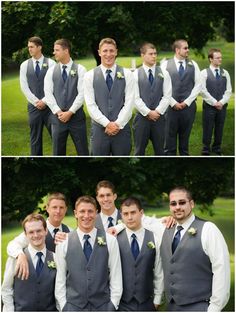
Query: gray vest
216, 87
137, 274
37, 292
36, 84
99, 224
150, 94
109, 103
188, 272
87, 282
50, 240
181, 87
65, 93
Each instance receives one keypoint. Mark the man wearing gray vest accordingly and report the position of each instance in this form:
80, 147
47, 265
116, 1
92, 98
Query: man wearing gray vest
37, 292
63, 88
140, 259
195, 260
216, 92
109, 96
32, 73
186, 85
56, 209
152, 97
89, 276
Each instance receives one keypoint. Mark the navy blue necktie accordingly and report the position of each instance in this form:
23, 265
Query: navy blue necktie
150, 77
109, 79
37, 69
55, 230
39, 265
217, 74
64, 73
110, 223
181, 69
87, 247
176, 239
134, 246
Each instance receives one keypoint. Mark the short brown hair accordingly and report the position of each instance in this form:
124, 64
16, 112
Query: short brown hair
131, 201
34, 217
145, 46
109, 41
105, 184
183, 189
177, 43
64, 43
57, 196
36, 40
211, 52
86, 199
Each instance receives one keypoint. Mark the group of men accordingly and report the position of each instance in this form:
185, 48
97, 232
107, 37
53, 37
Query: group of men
92, 270
164, 97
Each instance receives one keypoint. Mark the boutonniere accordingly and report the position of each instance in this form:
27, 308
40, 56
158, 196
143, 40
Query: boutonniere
73, 73
119, 75
45, 65
190, 63
52, 264
151, 245
119, 222
192, 231
160, 75
223, 74
101, 241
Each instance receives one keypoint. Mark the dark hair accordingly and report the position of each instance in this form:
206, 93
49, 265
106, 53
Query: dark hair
36, 40
145, 46
64, 43
86, 199
34, 217
211, 52
105, 184
131, 201
183, 189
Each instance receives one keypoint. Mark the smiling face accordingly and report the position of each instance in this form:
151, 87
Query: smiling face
36, 234
106, 199
180, 205
108, 54
85, 213
149, 57
56, 210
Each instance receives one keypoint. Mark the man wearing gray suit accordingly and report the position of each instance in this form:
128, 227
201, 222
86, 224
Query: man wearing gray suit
140, 259
109, 96
89, 276
152, 97
186, 85
63, 88
32, 73
37, 292
195, 260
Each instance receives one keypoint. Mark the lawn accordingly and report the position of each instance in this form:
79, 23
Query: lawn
223, 218
15, 129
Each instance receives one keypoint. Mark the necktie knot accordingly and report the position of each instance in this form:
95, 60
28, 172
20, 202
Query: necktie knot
86, 237
39, 264
64, 73
110, 221
39, 254
133, 236
179, 228
37, 69
109, 80
150, 77
55, 230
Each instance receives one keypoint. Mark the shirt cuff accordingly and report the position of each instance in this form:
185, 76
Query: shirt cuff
157, 299
214, 308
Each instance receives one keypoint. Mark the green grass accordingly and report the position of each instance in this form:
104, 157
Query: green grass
223, 218
15, 129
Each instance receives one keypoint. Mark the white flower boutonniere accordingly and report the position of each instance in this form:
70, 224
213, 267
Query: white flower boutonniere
73, 73
151, 245
45, 65
119, 222
190, 63
52, 264
160, 75
101, 241
192, 231
119, 75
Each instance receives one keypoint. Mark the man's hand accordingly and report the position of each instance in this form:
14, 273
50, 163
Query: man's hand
112, 129
40, 105
60, 237
156, 306
64, 117
153, 115
112, 231
22, 267
218, 106
169, 221
179, 106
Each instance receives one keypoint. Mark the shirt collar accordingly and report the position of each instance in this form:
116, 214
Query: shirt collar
138, 232
92, 234
69, 64
50, 227
177, 62
214, 68
40, 59
113, 215
146, 68
33, 251
113, 69
188, 222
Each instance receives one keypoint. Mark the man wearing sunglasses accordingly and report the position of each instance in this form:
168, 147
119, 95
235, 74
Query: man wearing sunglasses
195, 259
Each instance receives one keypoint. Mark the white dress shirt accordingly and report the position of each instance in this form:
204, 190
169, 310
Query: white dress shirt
16, 246
158, 281
48, 88
207, 96
24, 82
114, 266
105, 221
215, 247
8, 280
93, 110
167, 91
197, 85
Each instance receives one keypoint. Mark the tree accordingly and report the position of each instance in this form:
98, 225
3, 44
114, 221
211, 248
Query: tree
26, 180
